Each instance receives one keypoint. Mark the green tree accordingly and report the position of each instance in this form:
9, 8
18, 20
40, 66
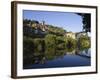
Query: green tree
56, 30
70, 44
84, 42
50, 41
39, 45
60, 42
86, 20
28, 49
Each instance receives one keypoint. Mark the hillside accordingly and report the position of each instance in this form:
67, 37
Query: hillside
36, 29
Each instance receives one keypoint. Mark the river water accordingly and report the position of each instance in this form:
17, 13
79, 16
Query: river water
61, 59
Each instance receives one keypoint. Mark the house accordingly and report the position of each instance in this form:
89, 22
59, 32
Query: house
40, 26
75, 35
70, 34
79, 34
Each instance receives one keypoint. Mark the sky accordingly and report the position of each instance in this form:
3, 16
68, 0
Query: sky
67, 20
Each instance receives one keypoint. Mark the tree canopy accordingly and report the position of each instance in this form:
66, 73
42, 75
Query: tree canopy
86, 20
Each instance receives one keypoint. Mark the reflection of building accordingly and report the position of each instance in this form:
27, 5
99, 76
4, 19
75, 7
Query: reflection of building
70, 34
71, 52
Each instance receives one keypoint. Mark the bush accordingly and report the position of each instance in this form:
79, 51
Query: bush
38, 45
50, 41
84, 42
28, 50
28, 46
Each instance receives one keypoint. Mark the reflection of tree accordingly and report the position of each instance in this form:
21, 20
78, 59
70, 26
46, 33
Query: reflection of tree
50, 53
86, 51
40, 50
70, 44
86, 17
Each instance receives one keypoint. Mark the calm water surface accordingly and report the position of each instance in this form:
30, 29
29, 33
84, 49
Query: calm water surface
61, 59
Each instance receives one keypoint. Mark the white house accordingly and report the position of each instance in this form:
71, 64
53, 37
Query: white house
70, 34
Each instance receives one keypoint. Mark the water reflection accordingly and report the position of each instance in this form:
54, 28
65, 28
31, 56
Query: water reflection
51, 57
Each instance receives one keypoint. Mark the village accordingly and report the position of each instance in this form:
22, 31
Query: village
42, 28
48, 42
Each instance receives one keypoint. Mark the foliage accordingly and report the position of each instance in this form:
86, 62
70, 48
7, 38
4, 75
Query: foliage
27, 21
28, 49
38, 44
30, 31
86, 21
84, 42
60, 42
50, 53
50, 40
56, 30
70, 44
28, 45
53, 41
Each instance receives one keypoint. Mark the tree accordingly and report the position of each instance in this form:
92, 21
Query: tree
86, 21
50, 41
56, 30
28, 21
70, 44
84, 42
60, 42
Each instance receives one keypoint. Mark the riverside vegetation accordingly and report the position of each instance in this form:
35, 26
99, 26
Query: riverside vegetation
41, 40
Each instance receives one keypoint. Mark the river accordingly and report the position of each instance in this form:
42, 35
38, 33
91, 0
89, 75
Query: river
60, 59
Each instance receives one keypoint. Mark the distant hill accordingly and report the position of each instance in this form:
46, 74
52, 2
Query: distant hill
35, 28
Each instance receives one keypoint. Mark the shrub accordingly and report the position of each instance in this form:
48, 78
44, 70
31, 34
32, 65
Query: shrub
38, 44
84, 42
50, 41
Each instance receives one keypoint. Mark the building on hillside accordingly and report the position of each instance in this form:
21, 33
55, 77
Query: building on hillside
75, 35
35, 28
70, 34
42, 26
79, 34
28, 24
